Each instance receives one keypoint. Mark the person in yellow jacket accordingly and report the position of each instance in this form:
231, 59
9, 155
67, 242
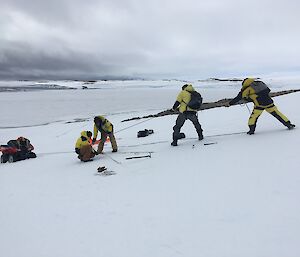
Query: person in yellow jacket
83, 147
258, 92
185, 113
106, 128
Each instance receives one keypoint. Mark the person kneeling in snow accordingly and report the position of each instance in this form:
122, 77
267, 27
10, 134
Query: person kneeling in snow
83, 147
25, 149
258, 93
17, 150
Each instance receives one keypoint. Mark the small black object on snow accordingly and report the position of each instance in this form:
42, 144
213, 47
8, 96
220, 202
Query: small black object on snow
145, 132
210, 143
101, 169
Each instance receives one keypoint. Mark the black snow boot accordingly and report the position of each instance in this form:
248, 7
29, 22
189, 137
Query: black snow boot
290, 125
251, 129
181, 135
200, 136
174, 143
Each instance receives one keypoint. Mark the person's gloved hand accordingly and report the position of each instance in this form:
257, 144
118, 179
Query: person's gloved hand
94, 140
173, 110
77, 150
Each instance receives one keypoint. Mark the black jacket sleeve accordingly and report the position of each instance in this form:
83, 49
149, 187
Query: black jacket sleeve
175, 106
236, 99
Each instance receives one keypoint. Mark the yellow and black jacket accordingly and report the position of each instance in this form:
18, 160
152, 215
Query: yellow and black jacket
256, 92
83, 140
183, 99
103, 126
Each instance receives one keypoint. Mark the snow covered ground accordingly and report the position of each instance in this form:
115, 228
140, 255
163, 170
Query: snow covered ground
237, 197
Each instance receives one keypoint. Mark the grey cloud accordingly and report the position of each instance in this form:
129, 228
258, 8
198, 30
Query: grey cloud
148, 38
27, 62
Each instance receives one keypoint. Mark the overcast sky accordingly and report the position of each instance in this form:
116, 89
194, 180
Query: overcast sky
89, 39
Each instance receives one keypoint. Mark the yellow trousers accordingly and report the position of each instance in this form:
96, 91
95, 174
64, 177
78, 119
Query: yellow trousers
103, 139
257, 111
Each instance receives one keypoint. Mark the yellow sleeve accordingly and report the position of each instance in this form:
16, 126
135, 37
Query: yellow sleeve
78, 143
95, 131
108, 126
179, 97
246, 92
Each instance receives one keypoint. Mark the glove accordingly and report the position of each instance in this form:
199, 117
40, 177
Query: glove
77, 150
94, 140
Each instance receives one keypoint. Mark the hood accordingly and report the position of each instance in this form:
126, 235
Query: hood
247, 82
189, 88
84, 134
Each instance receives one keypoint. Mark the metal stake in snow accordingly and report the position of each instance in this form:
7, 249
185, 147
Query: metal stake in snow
138, 157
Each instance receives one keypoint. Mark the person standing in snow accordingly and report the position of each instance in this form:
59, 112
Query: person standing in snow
185, 113
258, 92
106, 128
83, 147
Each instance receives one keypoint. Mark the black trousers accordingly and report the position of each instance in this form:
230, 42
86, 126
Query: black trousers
182, 117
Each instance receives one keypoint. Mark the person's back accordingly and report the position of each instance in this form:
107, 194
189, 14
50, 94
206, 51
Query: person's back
24, 145
257, 92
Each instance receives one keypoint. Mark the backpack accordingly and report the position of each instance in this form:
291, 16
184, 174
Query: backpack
259, 86
13, 143
196, 101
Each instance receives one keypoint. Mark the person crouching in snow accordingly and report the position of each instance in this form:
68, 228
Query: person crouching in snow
185, 113
83, 147
106, 128
258, 92
25, 149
